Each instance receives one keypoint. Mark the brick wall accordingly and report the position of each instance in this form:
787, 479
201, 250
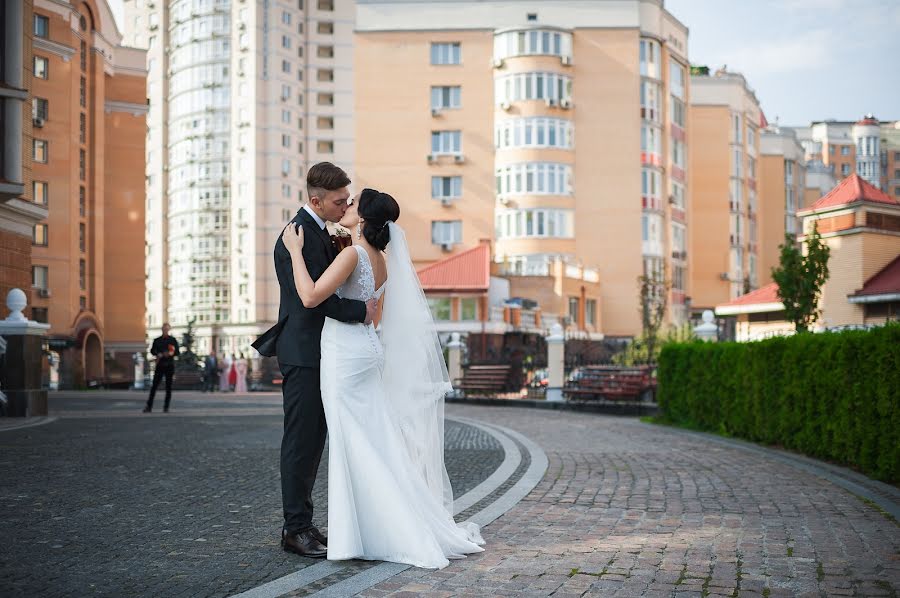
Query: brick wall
15, 266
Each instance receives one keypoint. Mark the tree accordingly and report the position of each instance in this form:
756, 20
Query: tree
800, 278
654, 293
187, 360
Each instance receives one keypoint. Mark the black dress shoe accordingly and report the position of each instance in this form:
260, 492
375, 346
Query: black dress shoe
319, 535
146, 410
303, 543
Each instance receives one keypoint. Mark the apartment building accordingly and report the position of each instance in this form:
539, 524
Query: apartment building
559, 131
88, 109
724, 212
867, 147
243, 97
18, 212
782, 190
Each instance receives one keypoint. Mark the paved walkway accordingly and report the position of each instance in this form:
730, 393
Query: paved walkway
107, 503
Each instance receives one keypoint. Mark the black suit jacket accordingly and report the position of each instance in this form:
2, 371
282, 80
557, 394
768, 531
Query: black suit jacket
296, 337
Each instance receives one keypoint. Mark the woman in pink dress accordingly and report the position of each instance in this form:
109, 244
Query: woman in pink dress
225, 364
241, 366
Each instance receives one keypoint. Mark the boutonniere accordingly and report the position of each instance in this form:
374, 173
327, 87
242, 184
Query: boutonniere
341, 238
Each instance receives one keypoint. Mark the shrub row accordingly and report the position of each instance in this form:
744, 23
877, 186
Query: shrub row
834, 396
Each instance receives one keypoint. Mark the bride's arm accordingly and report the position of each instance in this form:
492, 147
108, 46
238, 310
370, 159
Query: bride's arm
311, 292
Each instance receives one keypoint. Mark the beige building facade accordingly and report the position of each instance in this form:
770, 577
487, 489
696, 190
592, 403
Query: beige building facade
724, 212
244, 97
781, 193
559, 132
88, 117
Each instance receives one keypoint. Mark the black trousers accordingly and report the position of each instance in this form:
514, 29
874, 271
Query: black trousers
210, 380
158, 373
302, 444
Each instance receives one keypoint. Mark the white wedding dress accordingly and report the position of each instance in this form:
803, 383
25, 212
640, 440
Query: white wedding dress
381, 503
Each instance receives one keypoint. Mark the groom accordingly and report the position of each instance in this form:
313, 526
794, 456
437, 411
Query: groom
295, 341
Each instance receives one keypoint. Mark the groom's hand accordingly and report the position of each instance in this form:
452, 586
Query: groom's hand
371, 309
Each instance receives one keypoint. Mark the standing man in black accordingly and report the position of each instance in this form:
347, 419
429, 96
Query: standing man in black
295, 340
164, 349
210, 372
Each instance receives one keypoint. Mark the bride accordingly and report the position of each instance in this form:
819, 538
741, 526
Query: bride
389, 496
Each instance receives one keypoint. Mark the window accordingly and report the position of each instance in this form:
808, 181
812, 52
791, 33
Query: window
82, 128
897, 191
531, 42
325, 122
549, 87
535, 222
82, 275
678, 112
39, 108
325, 52
676, 79
446, 187
82, 92
446, 232
533, 132
678, 154
573, 309
81, 201
651, 144
325, 147
82, 236
326, 5
39, 277
286, 17
41, 67
82, 164
285, 92
446, 142
325, 99
39, 235
737, 163
650, 58
736, 129
445, 97
534, 178
679, 276
286, 191
39, 150
325, 28
285, 42
896, 156
285, 66
678, 195
440, 308
41, 26
285, 140
468, 309
651, 105
445, 53
325, 75
845, 150
40, 314
286, 116
40, 192
590, 311
845, 169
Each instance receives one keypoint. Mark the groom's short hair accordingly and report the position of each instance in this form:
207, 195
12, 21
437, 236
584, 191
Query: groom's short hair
325, 176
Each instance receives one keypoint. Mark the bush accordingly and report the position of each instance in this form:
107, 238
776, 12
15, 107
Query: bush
834, 396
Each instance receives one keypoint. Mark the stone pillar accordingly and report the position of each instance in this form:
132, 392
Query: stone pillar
556, 363
54, 370
20, 375
708, 330
138, 371
454, 350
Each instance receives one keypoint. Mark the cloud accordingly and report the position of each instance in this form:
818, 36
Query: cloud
811, 50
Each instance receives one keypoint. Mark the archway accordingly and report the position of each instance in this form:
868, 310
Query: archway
92, 357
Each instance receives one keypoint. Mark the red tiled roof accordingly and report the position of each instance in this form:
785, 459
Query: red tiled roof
466, 271
851, 190
766, 294
885, 282
763, 122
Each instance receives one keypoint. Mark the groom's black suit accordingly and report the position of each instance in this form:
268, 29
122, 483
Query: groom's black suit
295, 341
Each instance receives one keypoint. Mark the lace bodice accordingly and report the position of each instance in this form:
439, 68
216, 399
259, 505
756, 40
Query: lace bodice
361, 282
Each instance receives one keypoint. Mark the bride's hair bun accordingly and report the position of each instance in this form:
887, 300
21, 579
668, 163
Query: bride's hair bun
377, 209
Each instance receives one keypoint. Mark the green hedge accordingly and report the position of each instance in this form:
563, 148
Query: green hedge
835, 396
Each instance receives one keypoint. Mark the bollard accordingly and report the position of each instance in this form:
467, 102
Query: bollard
454, 350
21, 375
708, 330
556, 344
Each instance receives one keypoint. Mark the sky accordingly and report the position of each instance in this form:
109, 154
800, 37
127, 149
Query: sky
806, 59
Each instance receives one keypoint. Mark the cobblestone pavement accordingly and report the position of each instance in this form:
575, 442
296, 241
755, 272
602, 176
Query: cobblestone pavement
630, 509
105, 501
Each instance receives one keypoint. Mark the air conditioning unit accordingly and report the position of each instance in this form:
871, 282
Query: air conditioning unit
446, 201
499, 63
447, 246
44, 293
672, 199
565, 104
566, 60
38, 122
432, 158
459, 158
550, 102
723, 276
505, 106
435, 112
504, 201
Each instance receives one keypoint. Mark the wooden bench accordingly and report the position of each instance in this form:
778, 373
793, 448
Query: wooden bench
611, 382
485, 379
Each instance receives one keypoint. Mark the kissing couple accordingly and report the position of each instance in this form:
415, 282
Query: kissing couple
378, 397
